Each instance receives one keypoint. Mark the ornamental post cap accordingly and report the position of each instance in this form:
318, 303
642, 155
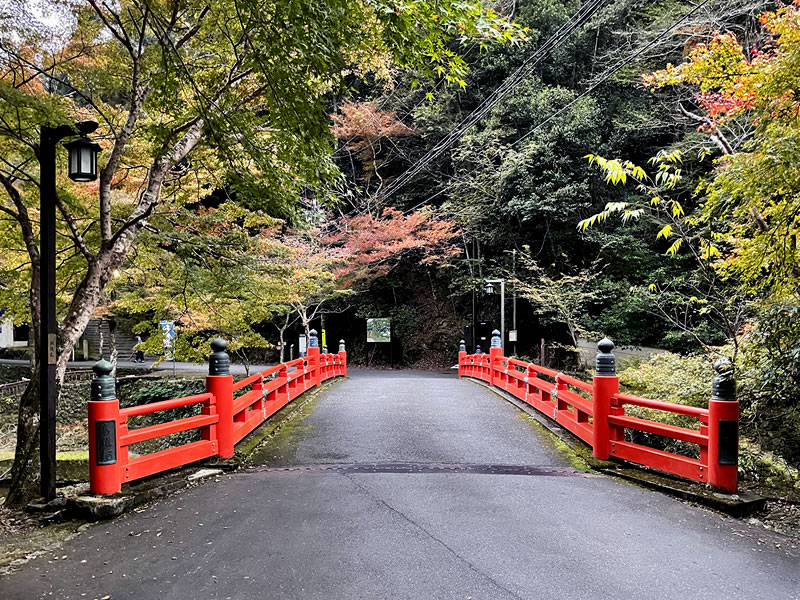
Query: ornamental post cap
723, 387
219, 363
103, 386
723, 366
496, 341
102, 367
605, 361
605, 345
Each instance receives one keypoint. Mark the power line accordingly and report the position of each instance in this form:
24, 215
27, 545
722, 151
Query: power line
614, 69
604, 77
555, 40
576, 21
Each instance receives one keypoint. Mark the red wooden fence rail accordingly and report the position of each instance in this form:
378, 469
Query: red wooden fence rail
223, 420
595, 412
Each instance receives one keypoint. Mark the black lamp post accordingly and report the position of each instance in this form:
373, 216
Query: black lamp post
82, 167
489, 289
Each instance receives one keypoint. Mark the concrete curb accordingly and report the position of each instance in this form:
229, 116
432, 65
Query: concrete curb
736, 505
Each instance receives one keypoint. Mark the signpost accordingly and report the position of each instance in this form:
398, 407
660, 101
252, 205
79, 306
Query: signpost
168, 340
302, 345
379, 331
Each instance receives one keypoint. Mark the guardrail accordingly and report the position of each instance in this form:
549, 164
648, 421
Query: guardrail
595, 413
224, 418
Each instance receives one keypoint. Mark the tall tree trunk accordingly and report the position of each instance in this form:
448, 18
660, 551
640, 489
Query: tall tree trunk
25, 470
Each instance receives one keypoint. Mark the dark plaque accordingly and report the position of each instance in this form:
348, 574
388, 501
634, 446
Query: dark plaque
105, 442
728, 443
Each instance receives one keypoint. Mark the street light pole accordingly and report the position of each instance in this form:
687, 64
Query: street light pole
503, 314
48, 325
514, 317
490, 289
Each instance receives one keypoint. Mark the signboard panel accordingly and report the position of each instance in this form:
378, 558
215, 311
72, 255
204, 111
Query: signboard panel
379, 330
168, 338
512, 335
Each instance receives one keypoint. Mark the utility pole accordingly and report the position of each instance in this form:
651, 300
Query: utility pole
514, 310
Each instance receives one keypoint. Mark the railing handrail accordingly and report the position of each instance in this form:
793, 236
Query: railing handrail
574, 381
162, 405
223, 420
601, 421
680, 409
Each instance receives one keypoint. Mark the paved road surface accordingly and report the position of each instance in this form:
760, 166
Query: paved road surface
436, 518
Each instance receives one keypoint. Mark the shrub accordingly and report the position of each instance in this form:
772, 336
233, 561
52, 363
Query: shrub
138, 391
671, 378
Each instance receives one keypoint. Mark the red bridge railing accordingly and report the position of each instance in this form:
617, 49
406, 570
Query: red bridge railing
225, 418
595, 412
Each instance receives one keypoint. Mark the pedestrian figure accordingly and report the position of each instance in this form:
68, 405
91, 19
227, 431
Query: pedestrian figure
139, 351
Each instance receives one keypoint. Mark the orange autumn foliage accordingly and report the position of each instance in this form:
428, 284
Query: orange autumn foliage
369, 246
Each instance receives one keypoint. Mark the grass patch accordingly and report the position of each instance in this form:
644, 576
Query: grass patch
576, 456
281, 427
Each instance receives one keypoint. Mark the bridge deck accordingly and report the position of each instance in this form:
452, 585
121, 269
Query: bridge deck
416, 486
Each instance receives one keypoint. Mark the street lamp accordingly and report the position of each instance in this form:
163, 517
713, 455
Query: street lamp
490, 290
82, 158
82, 167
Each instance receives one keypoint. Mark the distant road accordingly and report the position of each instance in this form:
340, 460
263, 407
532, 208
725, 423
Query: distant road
181, 367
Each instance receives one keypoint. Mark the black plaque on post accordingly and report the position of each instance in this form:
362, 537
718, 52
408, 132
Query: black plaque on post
105, 442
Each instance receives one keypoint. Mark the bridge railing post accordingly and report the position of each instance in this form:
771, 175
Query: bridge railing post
105, 476
723, 430
343, 356
530, 374
283, 388
495, 356
605, 384
462, 357
219, 383
313, 357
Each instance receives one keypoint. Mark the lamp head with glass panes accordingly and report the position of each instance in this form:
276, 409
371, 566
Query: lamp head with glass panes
83, 154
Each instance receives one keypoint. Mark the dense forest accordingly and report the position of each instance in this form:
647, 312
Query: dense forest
625, 166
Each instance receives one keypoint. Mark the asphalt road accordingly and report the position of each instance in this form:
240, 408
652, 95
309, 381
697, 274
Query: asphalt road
418, 487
